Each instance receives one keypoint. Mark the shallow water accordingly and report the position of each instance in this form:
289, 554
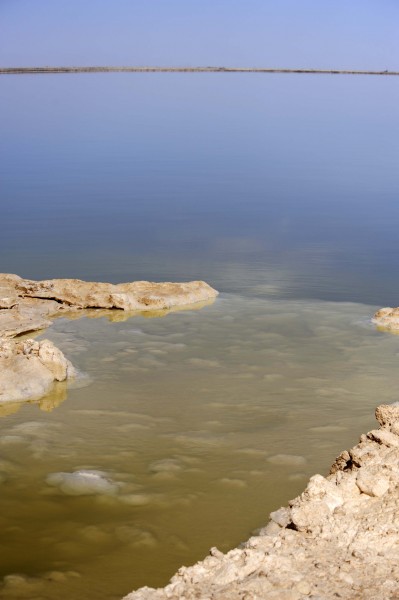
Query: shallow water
206, 419
280, 193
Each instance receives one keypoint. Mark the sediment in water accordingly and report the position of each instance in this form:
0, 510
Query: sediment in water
339, 538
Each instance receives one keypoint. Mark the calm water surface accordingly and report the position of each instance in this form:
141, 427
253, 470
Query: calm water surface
279, 191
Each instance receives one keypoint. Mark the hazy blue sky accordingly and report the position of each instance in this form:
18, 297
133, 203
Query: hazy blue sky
308, 33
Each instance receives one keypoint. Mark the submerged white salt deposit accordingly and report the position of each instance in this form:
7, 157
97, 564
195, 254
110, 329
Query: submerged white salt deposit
166, 465
238, 483
136, 499
83, 483
287, 460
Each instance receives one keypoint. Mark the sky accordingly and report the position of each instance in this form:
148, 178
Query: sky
355, 34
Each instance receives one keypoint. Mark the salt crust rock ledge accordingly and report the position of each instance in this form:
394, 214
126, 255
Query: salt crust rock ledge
387, 318
28, 368
338, 539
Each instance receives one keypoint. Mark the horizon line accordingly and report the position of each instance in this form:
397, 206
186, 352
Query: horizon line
210, 69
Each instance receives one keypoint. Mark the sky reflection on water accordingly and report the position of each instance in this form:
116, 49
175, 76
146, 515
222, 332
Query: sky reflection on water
277, 185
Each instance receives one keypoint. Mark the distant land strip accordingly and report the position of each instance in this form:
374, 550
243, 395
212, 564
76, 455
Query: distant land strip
44, 70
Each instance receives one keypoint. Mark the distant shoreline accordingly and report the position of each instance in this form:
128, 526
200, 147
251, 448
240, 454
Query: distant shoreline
52, 70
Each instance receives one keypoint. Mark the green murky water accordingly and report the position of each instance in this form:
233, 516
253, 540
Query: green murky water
204, 421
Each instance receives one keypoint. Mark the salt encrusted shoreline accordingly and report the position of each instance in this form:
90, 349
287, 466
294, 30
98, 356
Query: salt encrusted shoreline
387, 319
28, 368
338, 539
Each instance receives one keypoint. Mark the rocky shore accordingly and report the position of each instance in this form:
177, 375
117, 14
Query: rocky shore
387, 319
29, 368
338, 539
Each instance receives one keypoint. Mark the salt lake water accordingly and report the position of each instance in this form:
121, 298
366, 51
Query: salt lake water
281, 192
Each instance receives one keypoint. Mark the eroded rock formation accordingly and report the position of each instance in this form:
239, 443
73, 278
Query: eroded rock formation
29, 368
338, 539
137, 295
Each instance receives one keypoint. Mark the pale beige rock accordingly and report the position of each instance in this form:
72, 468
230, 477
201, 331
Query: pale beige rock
26, 305
384, 437
387, 414
28, 369
387, 318
26, 316
138, 295
271, 529
339, 538
54, 360
282, 516
371, 482
8, 301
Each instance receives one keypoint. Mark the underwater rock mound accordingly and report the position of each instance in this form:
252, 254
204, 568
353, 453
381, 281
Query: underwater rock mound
83, 483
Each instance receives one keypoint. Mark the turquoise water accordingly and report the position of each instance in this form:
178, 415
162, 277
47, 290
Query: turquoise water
279, 192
